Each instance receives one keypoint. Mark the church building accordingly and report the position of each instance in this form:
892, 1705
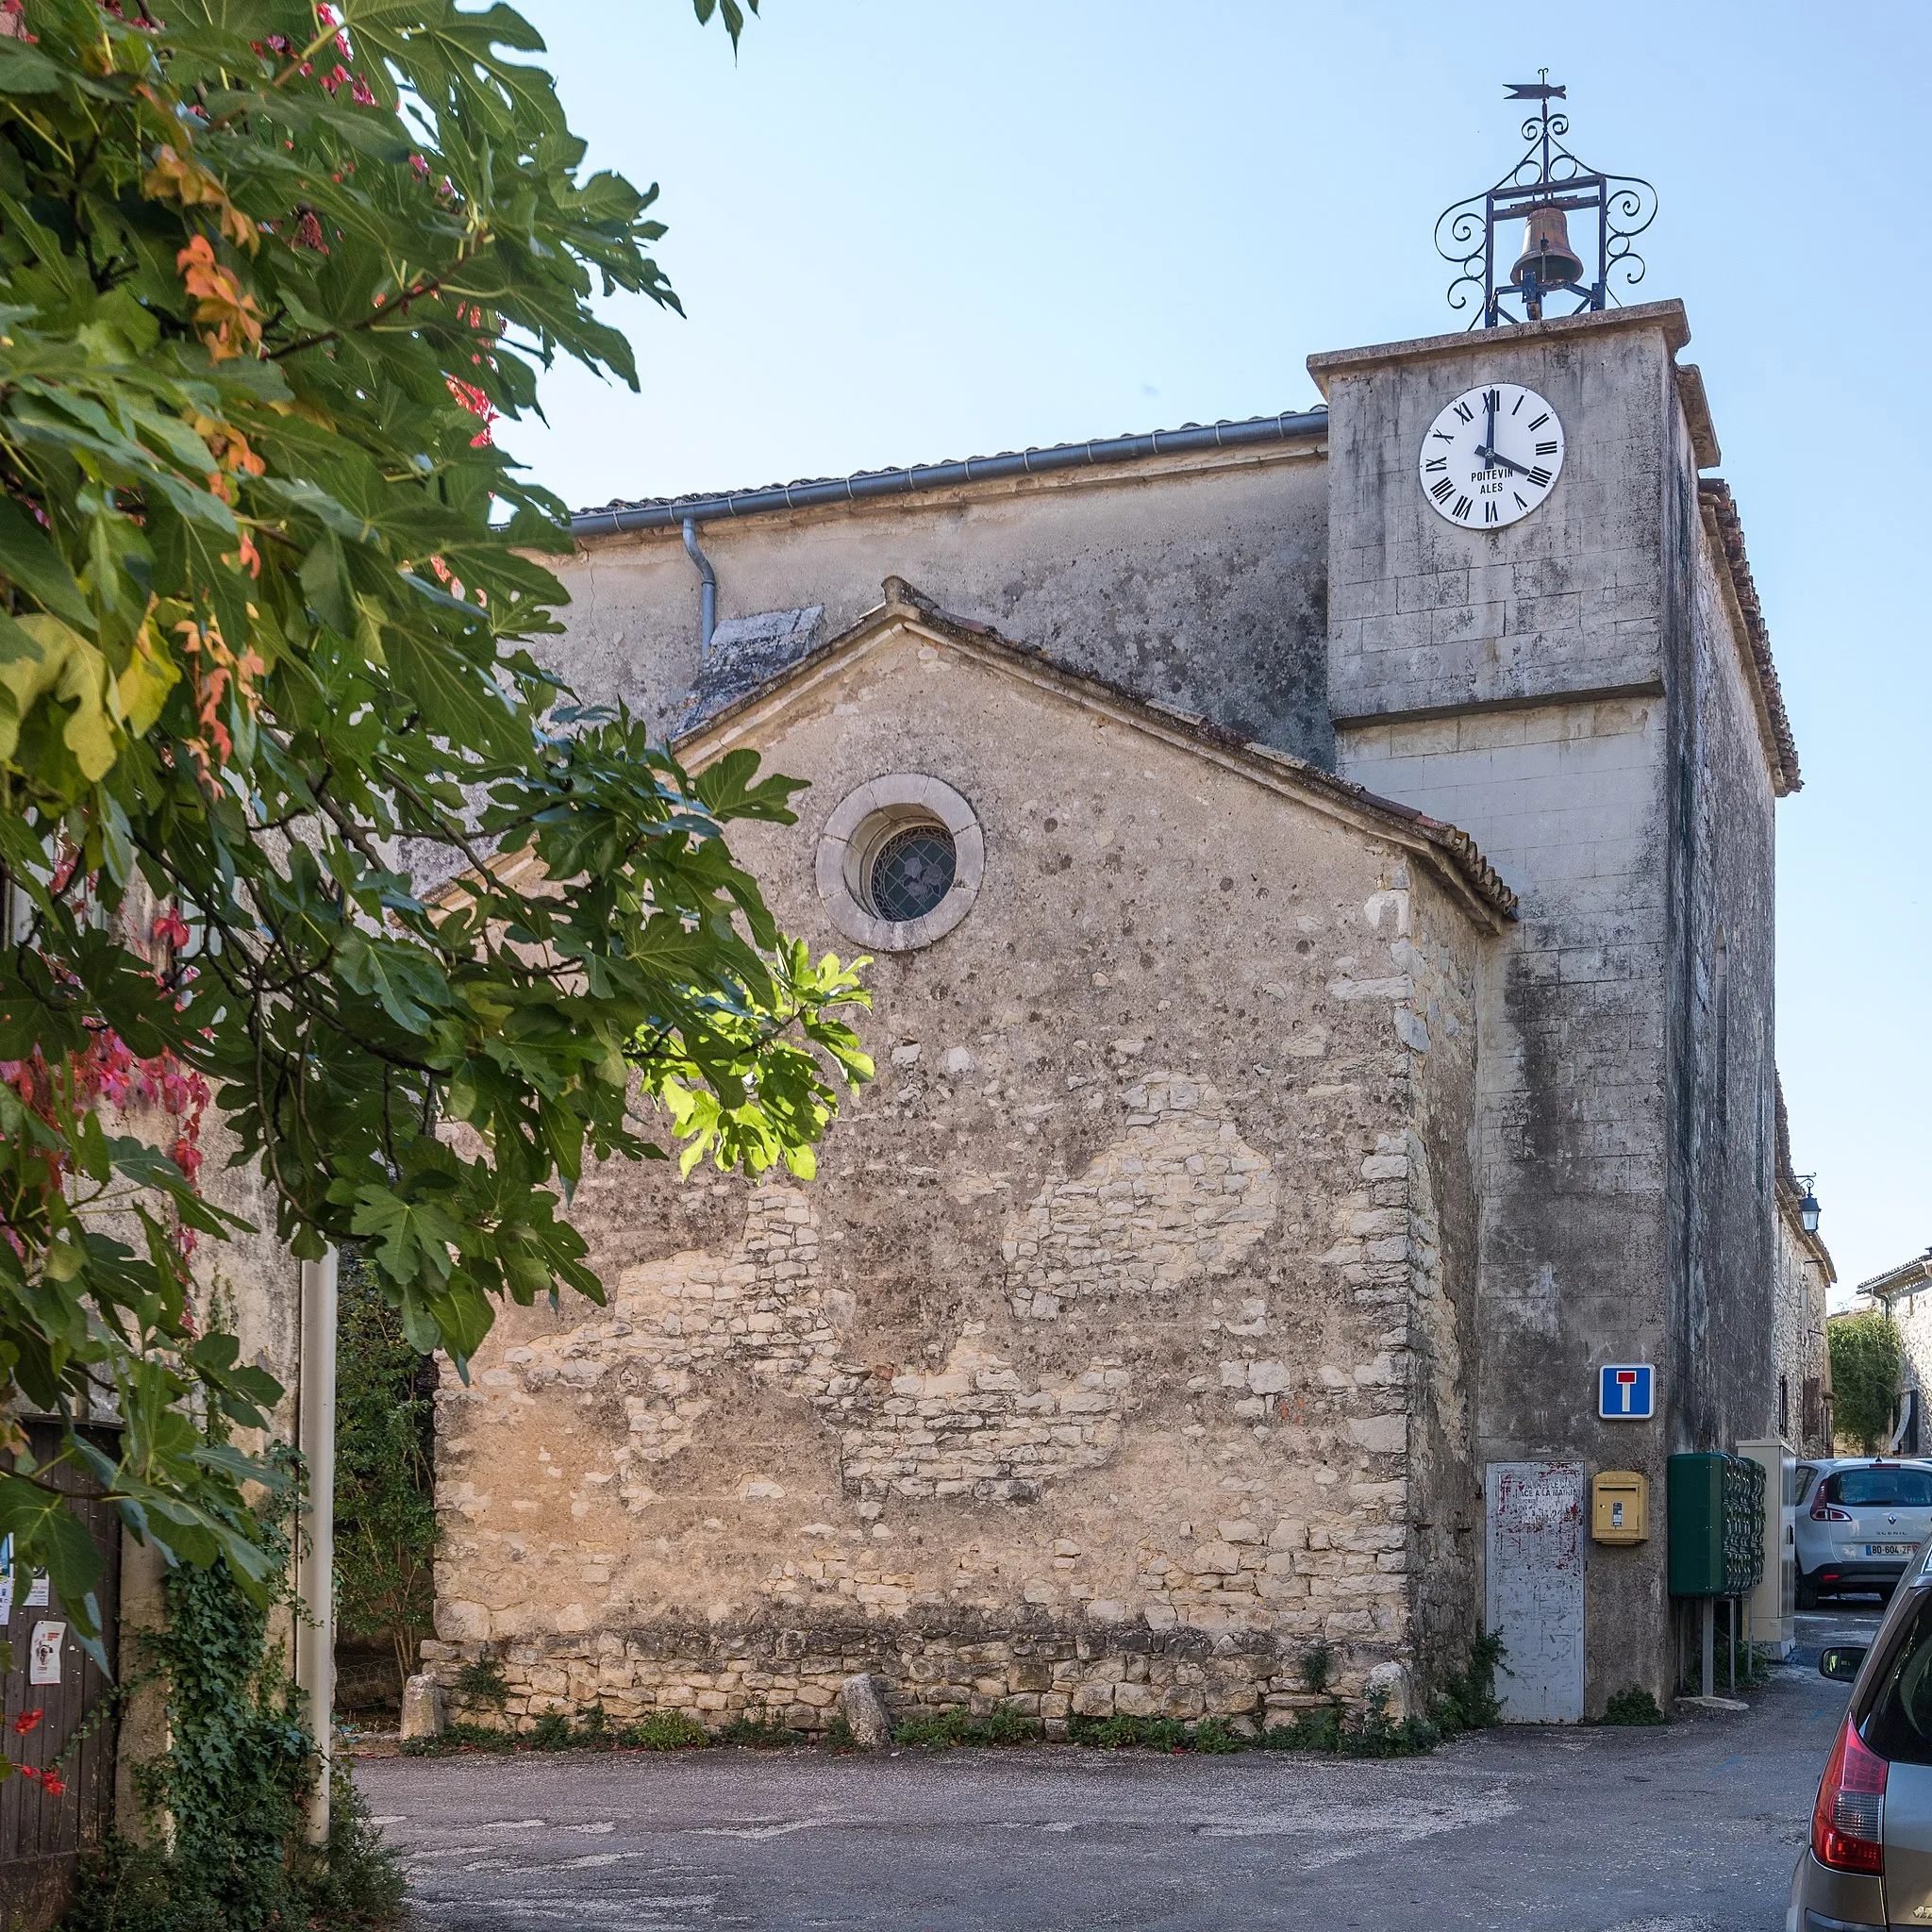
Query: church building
1318, 872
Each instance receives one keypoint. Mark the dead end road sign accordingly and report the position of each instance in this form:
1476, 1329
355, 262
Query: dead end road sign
1626, 1392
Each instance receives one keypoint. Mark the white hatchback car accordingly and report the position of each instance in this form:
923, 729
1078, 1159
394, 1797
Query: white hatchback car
1859, 1519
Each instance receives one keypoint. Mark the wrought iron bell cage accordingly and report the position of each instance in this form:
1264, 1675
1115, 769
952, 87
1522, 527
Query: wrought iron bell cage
1543, 190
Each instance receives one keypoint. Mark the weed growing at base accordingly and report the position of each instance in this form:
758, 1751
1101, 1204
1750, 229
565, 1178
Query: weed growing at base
1635, 1705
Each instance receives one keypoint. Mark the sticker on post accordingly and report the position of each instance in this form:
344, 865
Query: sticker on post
37, 1592
1626, 1392
43, 1653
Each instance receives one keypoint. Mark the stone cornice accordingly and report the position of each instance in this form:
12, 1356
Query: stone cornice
1667, 317
1754, 641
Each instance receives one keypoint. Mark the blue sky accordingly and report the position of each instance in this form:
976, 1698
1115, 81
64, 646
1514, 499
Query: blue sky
905, 230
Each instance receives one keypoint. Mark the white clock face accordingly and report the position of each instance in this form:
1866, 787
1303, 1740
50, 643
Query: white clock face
1493, 455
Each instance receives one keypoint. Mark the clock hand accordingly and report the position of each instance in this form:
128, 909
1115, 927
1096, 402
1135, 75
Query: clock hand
1497, 457
1489, 435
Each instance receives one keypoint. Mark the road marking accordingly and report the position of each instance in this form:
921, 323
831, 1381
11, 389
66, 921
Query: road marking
757, 1831
511, 1824
1379, 1826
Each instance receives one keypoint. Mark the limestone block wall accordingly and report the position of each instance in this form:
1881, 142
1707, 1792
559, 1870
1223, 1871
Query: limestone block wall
1802, 1361
1088, 1373
1200, 582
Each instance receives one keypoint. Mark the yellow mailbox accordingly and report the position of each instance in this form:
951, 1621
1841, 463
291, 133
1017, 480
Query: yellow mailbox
1619, 1507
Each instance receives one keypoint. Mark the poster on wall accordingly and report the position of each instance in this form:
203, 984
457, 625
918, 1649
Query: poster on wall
37, 1592
6, 1578
44, 1654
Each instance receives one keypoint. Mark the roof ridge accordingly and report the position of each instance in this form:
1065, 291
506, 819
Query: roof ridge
807, 493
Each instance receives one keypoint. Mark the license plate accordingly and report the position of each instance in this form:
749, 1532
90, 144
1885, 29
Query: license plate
1890, 1549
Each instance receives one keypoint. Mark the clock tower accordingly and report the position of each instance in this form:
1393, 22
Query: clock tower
1551, 654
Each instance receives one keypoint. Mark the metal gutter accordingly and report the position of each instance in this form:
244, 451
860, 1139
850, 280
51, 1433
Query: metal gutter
673, 512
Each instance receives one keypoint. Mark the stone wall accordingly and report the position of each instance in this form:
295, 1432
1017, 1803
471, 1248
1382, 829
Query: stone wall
1094, 1366
1804, 1363
1199, 582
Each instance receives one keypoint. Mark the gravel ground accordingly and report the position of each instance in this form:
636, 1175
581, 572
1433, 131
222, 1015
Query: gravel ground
1691, 1827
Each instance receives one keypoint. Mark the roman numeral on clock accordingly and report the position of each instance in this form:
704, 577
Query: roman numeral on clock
1492, 399
1546, 449
1538, 422
1465, 413
1437, 463
1490, 510
1540, 476
1441, 490
1462, 508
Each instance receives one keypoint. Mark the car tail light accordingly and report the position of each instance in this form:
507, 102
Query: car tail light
1850, 1795
1822, 1512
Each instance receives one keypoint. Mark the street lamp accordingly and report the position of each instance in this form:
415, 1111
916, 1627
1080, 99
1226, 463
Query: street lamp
1807, 1205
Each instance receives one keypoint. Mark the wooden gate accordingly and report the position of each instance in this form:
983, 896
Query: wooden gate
41, 1834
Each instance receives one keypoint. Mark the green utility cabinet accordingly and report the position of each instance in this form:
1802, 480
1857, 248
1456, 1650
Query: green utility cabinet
1716, 1524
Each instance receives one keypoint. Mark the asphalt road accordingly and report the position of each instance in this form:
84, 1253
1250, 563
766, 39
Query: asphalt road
1691, 1827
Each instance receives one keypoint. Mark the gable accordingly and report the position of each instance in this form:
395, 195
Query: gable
960, 669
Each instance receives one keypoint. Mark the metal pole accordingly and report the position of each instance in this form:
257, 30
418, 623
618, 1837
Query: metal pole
1708, 1606
1732, 1602
315, 1628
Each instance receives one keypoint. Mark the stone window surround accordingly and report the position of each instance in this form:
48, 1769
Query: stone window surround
859, 825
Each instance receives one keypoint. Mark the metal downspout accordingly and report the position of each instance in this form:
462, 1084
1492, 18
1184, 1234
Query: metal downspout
315, 1609
707, 607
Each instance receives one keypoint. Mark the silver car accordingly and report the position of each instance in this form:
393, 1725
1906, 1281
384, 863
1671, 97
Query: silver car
1858, 1521
1870, 1861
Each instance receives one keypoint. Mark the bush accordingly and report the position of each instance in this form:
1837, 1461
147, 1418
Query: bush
1865, 1364
1212, 1736
838, 1733
1105, 1733
942, 1729
1318, 1667
551, 1732
1635, 1705
385, 1516
665, 1730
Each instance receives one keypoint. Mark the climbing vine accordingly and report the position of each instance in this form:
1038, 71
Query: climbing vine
235, 1778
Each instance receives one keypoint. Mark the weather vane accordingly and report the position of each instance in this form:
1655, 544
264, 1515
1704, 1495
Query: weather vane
1542, 191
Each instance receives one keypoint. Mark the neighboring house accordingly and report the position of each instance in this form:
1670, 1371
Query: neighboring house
1805, 1278
1901, 1292
1323, 975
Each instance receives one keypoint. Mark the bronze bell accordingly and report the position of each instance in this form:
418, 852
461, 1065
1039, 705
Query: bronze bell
1546, 248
